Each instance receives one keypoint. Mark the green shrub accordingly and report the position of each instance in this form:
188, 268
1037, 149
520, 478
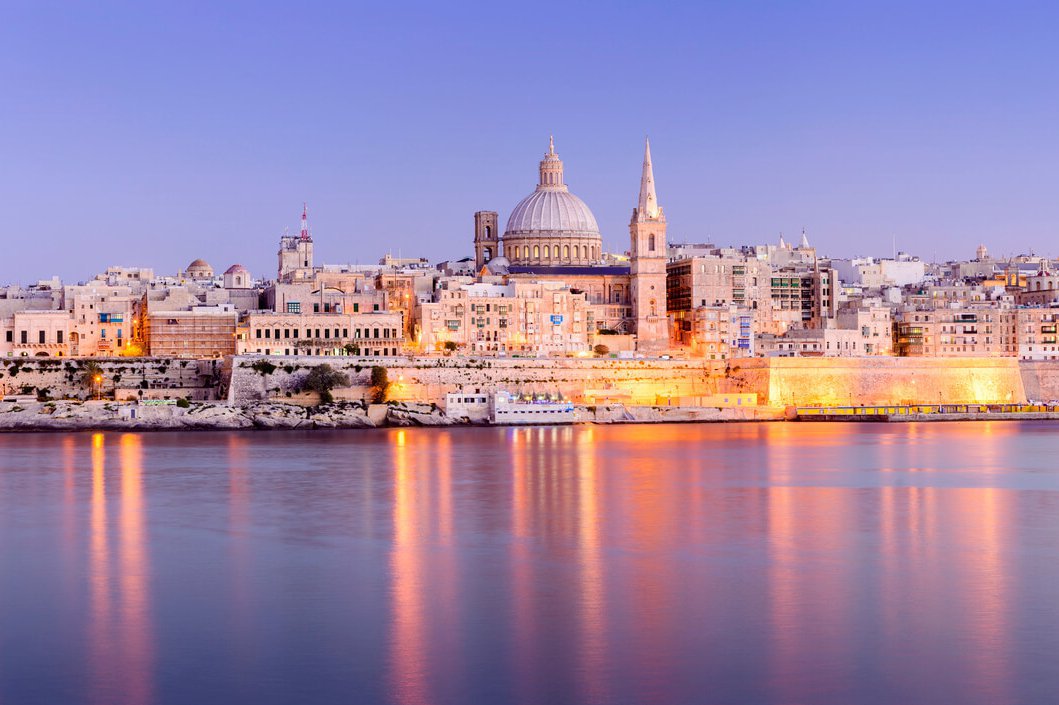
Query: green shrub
322, 379
183, 403
380, 384
264, 367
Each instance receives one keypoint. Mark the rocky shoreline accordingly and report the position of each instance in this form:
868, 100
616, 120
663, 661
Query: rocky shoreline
220, 416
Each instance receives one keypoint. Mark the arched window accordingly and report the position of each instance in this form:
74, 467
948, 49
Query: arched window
487, 254
536, 251
547, 252
651, 242
488, 232
654, 308
566, 252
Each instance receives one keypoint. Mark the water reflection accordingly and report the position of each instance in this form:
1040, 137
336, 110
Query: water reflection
764, 563
120, 641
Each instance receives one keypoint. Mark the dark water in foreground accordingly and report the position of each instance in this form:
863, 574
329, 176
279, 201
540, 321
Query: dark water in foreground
770, 563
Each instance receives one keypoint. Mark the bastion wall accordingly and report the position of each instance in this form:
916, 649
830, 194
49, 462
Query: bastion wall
64, 377
777, 381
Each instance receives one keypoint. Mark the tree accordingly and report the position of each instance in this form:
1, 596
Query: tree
601, 350
352, 349
380, 384
92, 376
450, 346
322, 379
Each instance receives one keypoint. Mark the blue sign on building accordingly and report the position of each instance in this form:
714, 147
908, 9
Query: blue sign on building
556, 319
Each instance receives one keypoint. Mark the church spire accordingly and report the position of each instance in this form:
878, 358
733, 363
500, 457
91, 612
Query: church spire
647, 209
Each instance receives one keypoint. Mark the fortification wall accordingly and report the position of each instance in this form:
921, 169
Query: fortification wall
881, 380
1040, 379
428, 379
776, 381
63, 377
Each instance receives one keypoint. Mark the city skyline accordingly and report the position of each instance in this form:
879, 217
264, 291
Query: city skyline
397, 132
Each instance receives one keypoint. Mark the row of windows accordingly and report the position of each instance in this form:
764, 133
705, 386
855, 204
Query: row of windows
326, 333
383, 352
523, 252
296, 307
42, 337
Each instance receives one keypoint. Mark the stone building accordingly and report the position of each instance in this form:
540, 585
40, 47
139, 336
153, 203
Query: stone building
1037, 337
368, 333
984, 330
296, 254
30, 333
520, 317
552, 235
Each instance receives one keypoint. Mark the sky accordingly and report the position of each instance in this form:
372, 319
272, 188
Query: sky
153, 133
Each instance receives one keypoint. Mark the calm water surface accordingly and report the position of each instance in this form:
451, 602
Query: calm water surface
767, 563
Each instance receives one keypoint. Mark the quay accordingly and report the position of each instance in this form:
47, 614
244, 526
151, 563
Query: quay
925, 412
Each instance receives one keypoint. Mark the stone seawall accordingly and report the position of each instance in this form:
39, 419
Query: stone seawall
1041, 379
880, 380
429, 379
778, 382
62, 377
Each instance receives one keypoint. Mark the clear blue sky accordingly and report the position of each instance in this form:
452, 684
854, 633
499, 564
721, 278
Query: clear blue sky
153, 133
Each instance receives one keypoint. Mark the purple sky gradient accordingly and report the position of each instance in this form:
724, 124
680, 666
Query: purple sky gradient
153, 133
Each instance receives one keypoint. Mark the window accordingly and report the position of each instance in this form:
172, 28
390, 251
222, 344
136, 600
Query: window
651, 242
356, 308
286, 332
10, 336
42, 336
59, 337
316, 308
294, 307
258, 333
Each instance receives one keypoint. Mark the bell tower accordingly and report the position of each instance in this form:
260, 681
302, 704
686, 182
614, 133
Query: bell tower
647, 251
486, 239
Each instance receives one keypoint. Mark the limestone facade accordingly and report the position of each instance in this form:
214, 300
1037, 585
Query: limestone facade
269, 333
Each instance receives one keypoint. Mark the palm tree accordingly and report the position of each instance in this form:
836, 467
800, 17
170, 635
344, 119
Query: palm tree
92, 376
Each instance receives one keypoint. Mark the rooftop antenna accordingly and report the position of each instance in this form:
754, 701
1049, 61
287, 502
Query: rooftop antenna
894, 236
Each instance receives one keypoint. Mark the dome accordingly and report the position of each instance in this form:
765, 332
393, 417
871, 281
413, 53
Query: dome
559, 212
236, 268
551, 226
498, 265
199, 269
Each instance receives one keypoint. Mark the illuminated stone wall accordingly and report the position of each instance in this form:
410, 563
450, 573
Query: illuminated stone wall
881, 380
777, 381
428, 379
1041, 379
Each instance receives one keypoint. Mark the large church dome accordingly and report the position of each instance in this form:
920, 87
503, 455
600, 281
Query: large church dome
555, 211
551, 226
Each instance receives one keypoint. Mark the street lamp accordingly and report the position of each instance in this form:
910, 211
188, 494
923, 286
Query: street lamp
99, 387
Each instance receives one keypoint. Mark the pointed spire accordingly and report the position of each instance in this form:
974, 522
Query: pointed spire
551, 144
783, 243
805, 241
647, 209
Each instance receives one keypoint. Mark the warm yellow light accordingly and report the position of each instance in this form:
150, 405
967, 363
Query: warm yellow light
99, 378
